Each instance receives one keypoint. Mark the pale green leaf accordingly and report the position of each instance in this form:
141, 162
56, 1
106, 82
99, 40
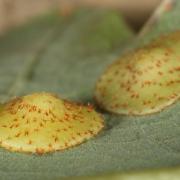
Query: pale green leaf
63, 55
66, 56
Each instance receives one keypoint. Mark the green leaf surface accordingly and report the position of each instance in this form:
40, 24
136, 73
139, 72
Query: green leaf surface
66, 56
63, 55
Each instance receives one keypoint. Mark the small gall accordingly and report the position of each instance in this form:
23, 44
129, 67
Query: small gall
156, 68
40, 127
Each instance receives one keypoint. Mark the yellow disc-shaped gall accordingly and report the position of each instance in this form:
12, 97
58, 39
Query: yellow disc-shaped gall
144, 81
41, 122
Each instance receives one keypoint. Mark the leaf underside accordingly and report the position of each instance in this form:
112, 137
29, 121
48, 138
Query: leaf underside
66, 56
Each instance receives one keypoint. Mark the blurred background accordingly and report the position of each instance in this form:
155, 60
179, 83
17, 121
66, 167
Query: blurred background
16, 12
